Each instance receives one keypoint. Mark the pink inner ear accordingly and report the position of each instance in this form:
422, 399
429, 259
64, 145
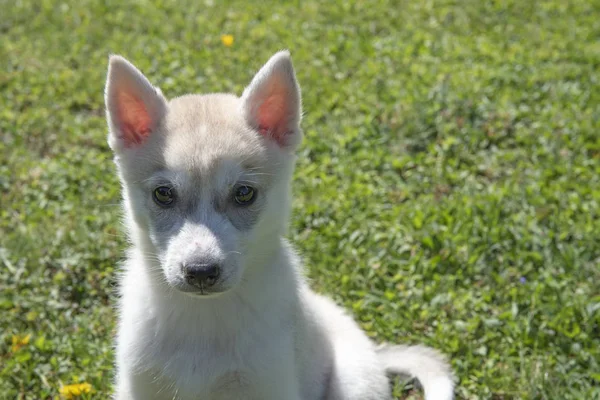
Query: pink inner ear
272, 117
135, 122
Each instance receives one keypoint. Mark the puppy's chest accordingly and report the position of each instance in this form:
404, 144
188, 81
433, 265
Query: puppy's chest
215, 367
211, 370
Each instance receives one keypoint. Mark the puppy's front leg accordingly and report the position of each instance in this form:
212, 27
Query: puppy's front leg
279, 380
278, 387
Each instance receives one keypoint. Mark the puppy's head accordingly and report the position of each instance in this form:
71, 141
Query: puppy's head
205, 177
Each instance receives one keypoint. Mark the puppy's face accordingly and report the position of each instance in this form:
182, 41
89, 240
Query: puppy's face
205, 178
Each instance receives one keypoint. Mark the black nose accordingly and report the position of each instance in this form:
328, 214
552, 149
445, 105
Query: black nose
201, 275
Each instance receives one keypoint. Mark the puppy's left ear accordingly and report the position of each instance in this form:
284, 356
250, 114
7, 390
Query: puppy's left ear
272, 104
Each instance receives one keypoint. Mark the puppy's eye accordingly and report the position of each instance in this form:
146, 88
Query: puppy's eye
244, 195
164, 196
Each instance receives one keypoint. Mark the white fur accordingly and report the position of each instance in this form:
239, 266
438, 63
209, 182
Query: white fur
259, 333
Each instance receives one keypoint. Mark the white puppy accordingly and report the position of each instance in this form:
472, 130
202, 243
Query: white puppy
214, 304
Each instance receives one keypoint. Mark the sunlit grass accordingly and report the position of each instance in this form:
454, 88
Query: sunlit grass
447, 192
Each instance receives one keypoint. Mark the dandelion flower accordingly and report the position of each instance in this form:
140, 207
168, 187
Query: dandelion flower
227, 40
19, 341
75, 390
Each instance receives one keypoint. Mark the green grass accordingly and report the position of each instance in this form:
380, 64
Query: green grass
447, 192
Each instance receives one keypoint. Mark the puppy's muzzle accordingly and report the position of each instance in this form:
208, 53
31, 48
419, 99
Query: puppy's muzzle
201, 275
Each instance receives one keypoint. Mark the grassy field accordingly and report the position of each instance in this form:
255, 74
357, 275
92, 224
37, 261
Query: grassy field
447, 192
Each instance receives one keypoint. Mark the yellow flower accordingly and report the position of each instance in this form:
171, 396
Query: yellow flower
227, 40
77, 389
19, 341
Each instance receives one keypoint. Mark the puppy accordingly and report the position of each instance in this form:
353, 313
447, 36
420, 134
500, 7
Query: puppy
213, 301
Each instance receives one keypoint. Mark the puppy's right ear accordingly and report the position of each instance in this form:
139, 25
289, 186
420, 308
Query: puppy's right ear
134, 107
